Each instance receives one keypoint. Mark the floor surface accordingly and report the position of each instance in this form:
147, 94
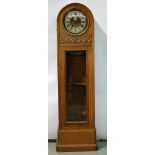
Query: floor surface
102, 150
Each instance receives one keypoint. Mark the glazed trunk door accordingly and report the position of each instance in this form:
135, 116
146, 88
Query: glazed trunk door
76, 86
76, 96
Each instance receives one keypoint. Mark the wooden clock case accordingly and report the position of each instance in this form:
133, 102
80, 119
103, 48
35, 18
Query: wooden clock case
76, 131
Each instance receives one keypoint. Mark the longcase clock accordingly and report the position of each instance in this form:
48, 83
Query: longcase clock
75, 40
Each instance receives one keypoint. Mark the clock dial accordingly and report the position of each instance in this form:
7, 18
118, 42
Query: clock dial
75, 22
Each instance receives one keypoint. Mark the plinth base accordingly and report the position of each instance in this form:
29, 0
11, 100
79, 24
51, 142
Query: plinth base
76, 140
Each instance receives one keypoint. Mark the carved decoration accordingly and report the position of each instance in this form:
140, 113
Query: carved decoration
76, 40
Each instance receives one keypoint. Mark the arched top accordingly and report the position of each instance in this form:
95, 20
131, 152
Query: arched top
75, 25
73, 6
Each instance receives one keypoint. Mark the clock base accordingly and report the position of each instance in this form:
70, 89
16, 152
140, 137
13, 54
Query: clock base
76, 140
77, 147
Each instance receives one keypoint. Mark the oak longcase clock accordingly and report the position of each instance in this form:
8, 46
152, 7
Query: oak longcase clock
75, 40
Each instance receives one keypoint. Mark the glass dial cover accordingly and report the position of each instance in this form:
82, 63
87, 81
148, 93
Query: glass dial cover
75, 22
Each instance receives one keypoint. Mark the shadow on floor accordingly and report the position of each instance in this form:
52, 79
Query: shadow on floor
101, 145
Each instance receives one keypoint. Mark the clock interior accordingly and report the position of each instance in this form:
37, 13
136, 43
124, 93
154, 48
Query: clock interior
76, 85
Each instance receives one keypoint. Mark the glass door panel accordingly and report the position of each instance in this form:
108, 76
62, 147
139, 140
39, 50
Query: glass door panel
76, 85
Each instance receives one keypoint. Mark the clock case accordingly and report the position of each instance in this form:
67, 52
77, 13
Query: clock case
76, 85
